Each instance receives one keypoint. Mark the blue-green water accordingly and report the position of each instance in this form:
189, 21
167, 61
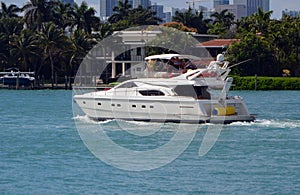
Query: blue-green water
42, 153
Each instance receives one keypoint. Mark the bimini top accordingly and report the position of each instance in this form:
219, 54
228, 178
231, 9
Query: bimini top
169, 56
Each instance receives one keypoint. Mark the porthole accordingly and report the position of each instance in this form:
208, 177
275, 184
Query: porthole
151, 106
119, 105
133, 106
84, 102
99, 104
143, 106
112, 104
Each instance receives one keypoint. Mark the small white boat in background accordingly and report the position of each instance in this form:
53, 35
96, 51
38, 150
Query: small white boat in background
196, 95
13, 77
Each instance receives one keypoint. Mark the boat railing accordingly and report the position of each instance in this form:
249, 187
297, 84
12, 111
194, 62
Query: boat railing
17, 73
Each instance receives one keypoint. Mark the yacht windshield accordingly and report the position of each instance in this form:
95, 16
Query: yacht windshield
127, 85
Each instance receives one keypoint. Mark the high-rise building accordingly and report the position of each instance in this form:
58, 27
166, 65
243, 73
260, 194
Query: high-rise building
242, 8
159, 9
239, 2
266, 5
169, 12
220, 2
130, 2
71, 2
238, 10
106, 8
143, 3
292, 13
253, 5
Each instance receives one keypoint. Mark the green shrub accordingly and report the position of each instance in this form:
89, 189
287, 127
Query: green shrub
266, 83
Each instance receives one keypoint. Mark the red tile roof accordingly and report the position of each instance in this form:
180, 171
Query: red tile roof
218, 42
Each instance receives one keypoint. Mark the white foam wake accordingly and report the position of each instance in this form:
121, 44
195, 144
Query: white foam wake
86, 119
129, 125
272, 123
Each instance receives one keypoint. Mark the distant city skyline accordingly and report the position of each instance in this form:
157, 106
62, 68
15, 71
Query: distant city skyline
276, 5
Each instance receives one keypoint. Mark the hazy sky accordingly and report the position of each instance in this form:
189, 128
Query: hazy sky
276, 5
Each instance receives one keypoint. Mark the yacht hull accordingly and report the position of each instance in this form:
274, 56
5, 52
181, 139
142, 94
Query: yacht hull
171, 109
14, 81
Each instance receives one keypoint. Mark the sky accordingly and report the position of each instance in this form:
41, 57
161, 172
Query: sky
276, 5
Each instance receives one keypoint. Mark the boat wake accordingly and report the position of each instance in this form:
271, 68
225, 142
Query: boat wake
150, 126
270, 123
88, 120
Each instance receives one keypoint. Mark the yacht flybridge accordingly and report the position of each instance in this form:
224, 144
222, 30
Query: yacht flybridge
196, 95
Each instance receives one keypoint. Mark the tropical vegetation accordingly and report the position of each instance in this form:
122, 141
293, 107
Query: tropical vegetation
265, 83
51, 38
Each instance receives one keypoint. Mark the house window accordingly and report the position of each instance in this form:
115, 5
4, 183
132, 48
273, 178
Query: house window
138, 51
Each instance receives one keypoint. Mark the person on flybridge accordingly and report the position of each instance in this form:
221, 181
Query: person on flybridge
219, 63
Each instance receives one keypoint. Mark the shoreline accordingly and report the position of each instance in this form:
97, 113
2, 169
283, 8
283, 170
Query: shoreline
250, 83
44, 87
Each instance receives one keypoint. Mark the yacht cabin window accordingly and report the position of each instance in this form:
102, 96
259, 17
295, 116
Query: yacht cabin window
151, 93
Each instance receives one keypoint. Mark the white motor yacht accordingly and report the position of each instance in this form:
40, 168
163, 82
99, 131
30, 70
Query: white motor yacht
196, 96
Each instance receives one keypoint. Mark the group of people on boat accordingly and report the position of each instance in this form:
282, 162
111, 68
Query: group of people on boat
171, 67
182, 65
176, 65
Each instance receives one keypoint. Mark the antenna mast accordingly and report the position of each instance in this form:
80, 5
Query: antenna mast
193, 2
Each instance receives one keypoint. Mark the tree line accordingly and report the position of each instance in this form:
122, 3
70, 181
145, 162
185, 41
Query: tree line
270, 45
51, 38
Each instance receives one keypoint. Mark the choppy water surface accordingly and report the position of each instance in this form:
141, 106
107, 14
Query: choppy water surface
42, 152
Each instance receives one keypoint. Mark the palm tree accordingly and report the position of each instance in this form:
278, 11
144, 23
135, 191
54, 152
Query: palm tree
222, 24
261, 20
84, 17
4, 50
105, 29
37, 12
256, 23
81, 43
54, 41
142, 16
10, 11
192, 19
24, 47
120, 12
200, 23
11, 26
8, 28
224, 18
183, 17
63, 15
